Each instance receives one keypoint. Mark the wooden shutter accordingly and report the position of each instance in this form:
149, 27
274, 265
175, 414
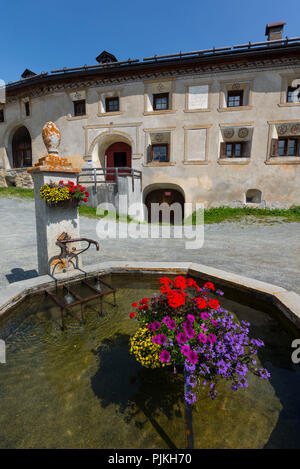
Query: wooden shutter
168, 152
222, 149
274, 147
149, 153
298, 146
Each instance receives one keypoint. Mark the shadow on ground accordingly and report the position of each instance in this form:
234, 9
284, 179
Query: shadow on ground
18, 274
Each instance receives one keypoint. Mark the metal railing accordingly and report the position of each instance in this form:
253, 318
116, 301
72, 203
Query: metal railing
105, 175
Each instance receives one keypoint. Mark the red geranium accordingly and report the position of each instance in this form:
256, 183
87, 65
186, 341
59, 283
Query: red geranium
131, 315
209, 285
201, 303
213, 304
176, 299
180, 282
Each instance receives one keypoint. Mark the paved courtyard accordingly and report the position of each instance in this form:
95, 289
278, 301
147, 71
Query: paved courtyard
266, 252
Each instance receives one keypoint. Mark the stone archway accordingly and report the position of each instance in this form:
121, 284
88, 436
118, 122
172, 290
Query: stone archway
98, 147
164, 193
21, 148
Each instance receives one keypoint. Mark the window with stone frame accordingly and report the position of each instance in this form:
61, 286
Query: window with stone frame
285, 146
79, 107
235, 98
160, 153
293, 94
112, 104
2, 115
235, 149
160, 101
27, 108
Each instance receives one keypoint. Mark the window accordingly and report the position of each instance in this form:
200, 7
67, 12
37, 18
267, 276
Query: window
160, 153
1, 115
292, 96
112, 104
160, 101
79, 108
27, 108
235, 98
234, 150
253, 196
286, 147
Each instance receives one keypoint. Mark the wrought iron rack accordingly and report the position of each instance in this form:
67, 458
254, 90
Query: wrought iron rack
79, 300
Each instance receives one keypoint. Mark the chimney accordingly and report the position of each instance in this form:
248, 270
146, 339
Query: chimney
274, 30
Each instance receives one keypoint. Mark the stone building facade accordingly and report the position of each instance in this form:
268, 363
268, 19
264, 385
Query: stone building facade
221, 127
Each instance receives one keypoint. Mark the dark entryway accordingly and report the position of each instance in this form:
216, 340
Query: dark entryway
118, 156
168, 196
21, 148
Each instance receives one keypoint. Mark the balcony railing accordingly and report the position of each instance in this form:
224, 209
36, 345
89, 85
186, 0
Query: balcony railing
97, 176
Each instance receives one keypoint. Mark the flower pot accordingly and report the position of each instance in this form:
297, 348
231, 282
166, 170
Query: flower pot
65, 203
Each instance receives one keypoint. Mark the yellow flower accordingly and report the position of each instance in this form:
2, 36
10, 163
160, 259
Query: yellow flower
144, 350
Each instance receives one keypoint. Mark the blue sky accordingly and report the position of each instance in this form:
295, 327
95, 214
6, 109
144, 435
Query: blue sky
44, 36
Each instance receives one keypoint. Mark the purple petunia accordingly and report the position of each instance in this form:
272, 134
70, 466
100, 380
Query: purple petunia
192, 357
181, 338
190, 397
165, 356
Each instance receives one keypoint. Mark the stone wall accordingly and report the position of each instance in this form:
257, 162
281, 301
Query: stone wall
16, 177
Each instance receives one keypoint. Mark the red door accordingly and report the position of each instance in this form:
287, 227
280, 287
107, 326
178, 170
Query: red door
118, 156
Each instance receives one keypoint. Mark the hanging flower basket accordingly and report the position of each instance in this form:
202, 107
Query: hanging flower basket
65, 195
186, 328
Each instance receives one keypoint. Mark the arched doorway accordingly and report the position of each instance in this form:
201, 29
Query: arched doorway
166, 195
118, 155
21, 148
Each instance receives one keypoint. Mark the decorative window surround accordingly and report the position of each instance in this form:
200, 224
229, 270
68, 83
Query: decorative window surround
22, 101
110, 93
187, 133
244, 85
286, 81
152, 87
275, 132
240, 132
155, 136
78, 95
207, 84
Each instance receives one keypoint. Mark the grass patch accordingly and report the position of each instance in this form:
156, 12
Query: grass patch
211, 215
221, 214
91, 212
17, 192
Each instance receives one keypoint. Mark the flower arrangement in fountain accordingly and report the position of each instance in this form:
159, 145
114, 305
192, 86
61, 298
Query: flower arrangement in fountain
186, 327
59, 193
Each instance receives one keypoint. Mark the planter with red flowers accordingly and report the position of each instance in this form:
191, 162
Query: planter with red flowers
186, 327
63, 194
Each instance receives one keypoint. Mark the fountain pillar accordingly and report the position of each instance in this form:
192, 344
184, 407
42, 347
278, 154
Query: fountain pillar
52, 221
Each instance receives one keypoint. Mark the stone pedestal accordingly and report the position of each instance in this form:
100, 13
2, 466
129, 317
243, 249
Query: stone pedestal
51, 222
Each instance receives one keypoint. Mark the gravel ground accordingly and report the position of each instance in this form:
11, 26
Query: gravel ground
265, 251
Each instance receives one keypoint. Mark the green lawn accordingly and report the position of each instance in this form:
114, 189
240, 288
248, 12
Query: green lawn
212, 215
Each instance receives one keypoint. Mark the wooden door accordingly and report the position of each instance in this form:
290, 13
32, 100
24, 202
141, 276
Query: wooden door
118, 156
160, 196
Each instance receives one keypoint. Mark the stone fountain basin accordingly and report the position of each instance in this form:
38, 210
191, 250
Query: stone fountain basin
286, 302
